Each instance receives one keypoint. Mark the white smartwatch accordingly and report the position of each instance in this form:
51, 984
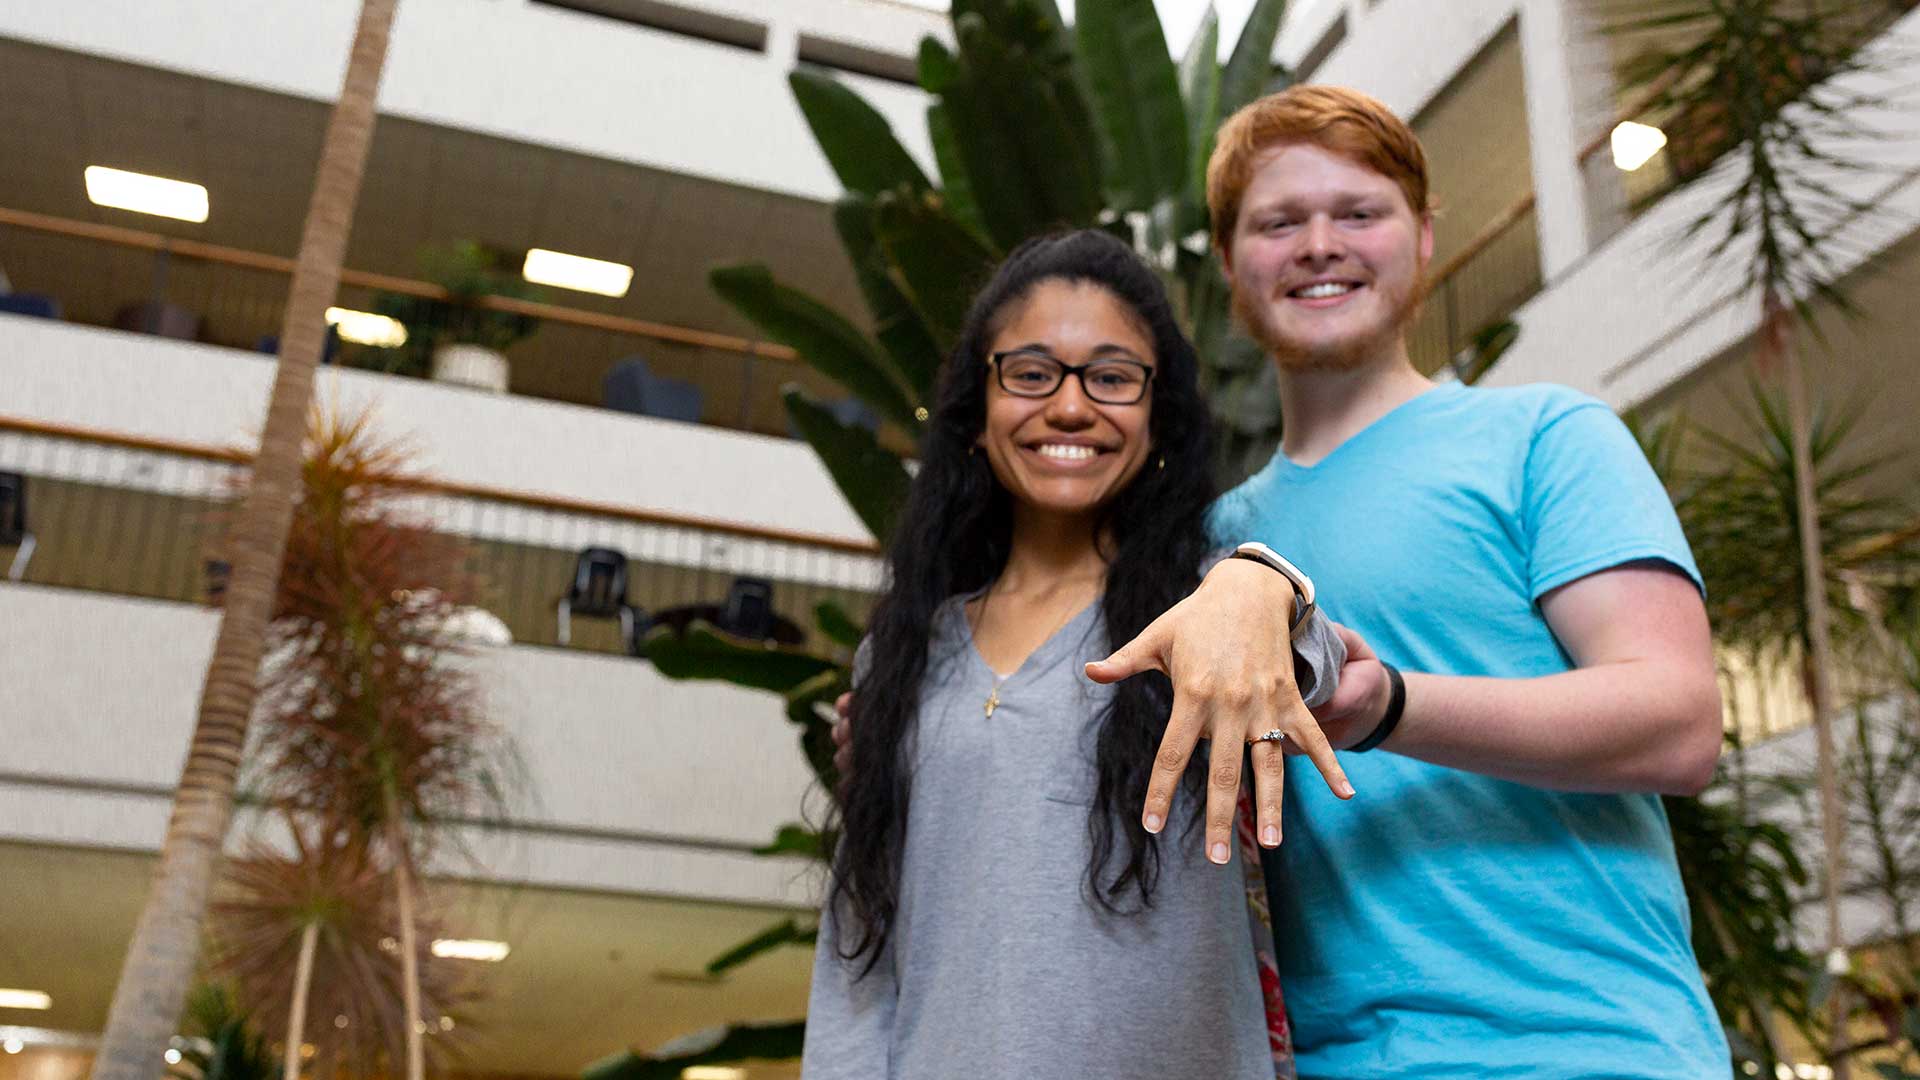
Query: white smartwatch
1302, 584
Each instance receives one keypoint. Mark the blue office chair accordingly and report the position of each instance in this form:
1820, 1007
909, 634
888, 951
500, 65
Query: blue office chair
632, 388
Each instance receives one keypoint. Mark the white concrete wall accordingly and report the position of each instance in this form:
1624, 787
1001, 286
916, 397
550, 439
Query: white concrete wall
62, 373
626, 782
528, 72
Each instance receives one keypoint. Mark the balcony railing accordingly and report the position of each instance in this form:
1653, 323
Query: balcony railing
138, 517
1478, 288
147, 282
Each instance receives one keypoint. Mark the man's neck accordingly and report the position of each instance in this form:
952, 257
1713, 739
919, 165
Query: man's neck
1323, 409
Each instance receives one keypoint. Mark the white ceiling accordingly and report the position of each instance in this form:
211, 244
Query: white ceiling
581, 982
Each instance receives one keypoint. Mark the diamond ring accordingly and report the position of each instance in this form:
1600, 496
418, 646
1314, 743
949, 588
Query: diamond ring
1276, 735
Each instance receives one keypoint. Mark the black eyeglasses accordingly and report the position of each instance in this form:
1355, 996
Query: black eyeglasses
1029, 374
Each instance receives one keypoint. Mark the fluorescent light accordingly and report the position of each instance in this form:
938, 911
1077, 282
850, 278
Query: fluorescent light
146, 194
366, 328
712, 1072
1635, 144
577, 272
465, 949
24, 999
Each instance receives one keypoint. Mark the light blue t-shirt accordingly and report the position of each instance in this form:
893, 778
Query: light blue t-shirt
1443, 923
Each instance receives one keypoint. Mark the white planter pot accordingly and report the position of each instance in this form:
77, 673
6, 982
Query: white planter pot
471, 365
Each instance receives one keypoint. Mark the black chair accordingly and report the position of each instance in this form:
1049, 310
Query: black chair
599, 589
748, 611
37, 305
13, 522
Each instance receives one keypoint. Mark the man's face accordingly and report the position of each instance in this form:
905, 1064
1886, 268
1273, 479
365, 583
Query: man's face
1325, 260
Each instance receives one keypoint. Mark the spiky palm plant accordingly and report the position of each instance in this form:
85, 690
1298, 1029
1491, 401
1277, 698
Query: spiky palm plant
312, 933
1755, 81
372, 724
160, 959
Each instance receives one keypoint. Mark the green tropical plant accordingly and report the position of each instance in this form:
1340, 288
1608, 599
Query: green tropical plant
1035, 126
222, 1043
468, 272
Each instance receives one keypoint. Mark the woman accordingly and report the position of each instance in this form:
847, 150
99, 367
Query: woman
1060, 506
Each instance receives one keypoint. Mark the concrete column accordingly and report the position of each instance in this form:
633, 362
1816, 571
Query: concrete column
1551, 49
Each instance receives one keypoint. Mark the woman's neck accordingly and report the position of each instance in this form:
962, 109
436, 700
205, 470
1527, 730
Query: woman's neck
1050, 551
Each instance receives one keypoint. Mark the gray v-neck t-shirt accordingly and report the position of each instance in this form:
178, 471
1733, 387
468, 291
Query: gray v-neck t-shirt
999, 965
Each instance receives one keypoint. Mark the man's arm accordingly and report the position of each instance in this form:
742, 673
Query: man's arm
1640, 711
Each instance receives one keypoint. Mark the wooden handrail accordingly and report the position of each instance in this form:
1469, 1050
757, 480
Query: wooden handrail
274, 264
533, 500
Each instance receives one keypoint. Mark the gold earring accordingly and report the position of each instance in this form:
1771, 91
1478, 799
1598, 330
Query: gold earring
1163, 462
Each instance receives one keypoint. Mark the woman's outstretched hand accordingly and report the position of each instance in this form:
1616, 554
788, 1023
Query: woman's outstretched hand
1229, 652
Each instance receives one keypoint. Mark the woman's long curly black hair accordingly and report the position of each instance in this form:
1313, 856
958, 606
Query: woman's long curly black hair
953, 539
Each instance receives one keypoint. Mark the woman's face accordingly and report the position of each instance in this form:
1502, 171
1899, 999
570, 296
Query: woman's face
1067, 453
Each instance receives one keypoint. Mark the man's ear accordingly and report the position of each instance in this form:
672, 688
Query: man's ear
1426, 239
1226, 260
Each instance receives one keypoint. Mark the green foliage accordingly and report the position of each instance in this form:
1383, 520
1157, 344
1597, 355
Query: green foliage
223, 1045
873, 478
704, 651
853, 135
1136, 92
468, 271
781, 934
716, 1046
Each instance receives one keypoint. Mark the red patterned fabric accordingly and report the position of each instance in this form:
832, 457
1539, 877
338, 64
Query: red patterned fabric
1260, 923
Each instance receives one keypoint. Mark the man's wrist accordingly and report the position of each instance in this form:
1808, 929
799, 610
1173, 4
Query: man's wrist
1390, 719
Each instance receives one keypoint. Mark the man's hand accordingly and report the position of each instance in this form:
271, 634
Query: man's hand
1359, 702
1229, 652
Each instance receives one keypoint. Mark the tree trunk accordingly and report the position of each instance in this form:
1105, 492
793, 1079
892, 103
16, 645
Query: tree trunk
1776, 329
409, 954
160, 959
297, 1013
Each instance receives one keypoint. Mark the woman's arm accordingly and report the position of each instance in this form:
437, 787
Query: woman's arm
849, 1019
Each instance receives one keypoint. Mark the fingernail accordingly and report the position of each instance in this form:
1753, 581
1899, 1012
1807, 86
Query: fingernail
1346, 790
1154, 823
1271, 837
1218, 853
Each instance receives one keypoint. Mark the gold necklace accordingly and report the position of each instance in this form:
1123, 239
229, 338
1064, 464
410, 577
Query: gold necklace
999, 680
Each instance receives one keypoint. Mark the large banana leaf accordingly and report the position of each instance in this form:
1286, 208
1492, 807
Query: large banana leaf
902, 333
872, 478
779, 935
836, 624
1021, 124
1200, 89
706, 652
715, 1046
1136, 94
834, 346
857, 140
1250, 70
935, 261
953, 169
809, 706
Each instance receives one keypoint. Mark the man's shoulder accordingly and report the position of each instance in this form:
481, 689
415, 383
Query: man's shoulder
1539, 404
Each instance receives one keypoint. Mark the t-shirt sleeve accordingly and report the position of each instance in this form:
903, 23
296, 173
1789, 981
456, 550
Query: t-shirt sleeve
849, 1018
1592, 502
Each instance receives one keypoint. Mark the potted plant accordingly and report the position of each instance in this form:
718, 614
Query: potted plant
456, 340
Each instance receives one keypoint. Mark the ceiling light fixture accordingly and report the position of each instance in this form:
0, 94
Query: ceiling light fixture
1635, 144
471, 949
146, 194
366, 328
13, 1046
712, 1072
25, 999
577, 272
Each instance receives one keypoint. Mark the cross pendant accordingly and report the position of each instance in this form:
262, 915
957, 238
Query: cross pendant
993, 702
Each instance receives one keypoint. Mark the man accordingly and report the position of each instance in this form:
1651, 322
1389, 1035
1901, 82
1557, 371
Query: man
1501, 897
